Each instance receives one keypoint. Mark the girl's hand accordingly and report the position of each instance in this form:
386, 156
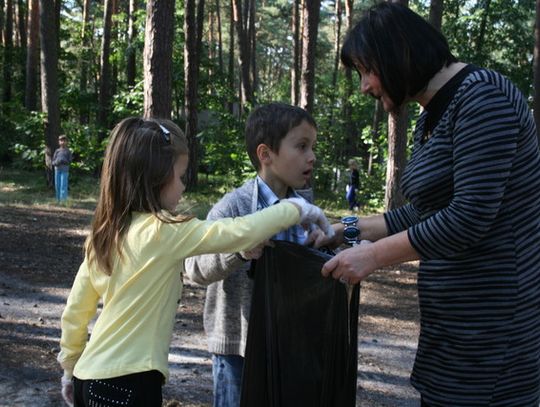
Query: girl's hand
311, 214
352, 265
67, 390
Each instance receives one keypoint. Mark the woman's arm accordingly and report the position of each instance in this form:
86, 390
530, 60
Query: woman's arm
354, 264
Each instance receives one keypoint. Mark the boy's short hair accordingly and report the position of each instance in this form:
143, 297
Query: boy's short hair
269, 124
63, 137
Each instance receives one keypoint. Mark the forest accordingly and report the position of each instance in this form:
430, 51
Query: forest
77, 67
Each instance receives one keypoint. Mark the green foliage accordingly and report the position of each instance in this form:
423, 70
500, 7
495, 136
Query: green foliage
506, 45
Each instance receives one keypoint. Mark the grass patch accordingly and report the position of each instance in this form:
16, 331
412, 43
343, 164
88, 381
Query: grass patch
29, 188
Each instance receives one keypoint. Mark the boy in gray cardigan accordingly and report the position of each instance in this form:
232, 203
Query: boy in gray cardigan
279, 142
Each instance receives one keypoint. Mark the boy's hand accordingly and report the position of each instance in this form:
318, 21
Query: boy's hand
315, 238
311, 214
320, 239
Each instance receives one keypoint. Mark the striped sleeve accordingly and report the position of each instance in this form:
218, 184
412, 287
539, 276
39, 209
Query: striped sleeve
484, 147
401, 218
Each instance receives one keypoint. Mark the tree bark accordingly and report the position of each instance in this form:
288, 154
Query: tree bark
105, 70
397, 151
158, 47
295, 71
230, 77
131, 62
49, 82
2, 19
537, 70
375, 130
484, 5
8, 55
244, 57
220, 39
84, 63
310, 32
193, 31
435, 13
350, 127
21, 24
252, 35
32, 57
337, 38
397, 148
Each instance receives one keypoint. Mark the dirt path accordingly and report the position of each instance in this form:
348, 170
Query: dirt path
40, 251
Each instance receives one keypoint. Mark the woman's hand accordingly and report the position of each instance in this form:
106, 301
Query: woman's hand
352, 265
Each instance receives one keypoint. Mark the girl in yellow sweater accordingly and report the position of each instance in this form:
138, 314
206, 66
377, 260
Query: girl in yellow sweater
134, 264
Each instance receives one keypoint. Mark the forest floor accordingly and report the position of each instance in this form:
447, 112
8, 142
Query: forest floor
40, 252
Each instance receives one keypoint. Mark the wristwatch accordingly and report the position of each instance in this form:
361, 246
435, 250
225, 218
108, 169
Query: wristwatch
351, 233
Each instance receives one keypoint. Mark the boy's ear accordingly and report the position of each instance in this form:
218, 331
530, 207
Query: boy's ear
263, 154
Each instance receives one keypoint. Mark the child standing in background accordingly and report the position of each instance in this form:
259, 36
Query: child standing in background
134, 263
61, 161
353, 185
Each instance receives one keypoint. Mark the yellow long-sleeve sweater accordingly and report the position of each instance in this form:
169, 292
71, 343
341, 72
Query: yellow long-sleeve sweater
134, 329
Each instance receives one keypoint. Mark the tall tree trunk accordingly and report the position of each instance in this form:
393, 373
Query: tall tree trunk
85, 57
220, 39
537, 70
435, 13
21, 25
350, 126
158, 47
337, 38
230, 73
484, 6
8, 55
193, 39
105, 70
2, 19
397, 151
295, 71
211, 43
310, 31
253, 46
114, 37
244, 58
32, 56
57, 8
49, 82
131, 62
375, 130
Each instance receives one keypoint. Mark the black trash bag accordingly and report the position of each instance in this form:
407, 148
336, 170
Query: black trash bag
302, 344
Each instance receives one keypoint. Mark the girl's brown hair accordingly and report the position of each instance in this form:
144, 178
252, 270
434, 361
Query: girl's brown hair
138, 162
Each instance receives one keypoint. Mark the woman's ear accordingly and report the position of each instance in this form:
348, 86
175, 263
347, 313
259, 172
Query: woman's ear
263, 154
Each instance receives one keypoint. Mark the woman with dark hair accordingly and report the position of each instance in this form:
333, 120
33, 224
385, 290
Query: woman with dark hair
473, 190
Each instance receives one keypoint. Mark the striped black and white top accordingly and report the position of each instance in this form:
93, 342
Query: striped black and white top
473, 216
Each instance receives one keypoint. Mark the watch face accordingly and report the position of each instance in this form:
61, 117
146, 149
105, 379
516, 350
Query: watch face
351, 233
349, 220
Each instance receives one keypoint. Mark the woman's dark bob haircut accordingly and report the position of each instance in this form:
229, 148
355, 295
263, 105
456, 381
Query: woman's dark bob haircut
402, 48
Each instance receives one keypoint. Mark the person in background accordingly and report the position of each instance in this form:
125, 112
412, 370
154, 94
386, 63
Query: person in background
134, 264
353, 185
279, 141
61, 160
473, 187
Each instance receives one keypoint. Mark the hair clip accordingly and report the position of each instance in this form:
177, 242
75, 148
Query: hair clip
165, 133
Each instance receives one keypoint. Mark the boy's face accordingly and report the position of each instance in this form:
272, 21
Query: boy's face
62, 142
292, 165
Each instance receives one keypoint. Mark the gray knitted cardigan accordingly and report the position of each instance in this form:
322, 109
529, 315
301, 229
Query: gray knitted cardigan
228, 295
